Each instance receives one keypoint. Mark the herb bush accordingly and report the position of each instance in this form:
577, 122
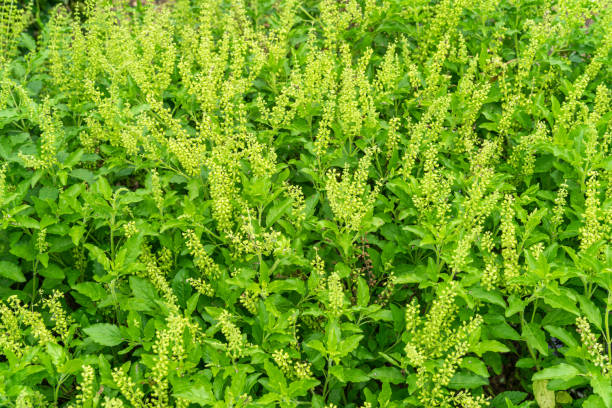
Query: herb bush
357, 203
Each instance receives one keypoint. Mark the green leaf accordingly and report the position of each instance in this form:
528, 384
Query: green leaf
515, 305
27, 222
277, 379
53, 271
476, 366
48, 193
562, 335
92, 290
560, 302
363, 293
333, 336
349, 374
602, 387
301, 387
535, 337
317, 345
489, 345
198, 394
71, 366
98, 255
385, 395
285, 285
74, 158
556, 106
11, 271
464, 379
562, 370
594, 401
503, 331
103, 188
513, 396
349, 344
24, 251
129, 252
387, 375
83, 174
277, 211
488, 296
105, 334
192, 303
143, 289
269, 398
563, 397
591, 311
543, 396
57, 353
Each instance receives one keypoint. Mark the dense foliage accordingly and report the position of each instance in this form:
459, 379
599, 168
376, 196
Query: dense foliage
335, 203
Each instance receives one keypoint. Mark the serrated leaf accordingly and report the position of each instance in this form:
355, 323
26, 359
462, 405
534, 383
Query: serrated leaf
387, 375
277, 211
277, 379
475, 365
284, 285
92, 290
560, 302
198, 394
503, 331
514, 397
602, 387
465, 379
594, 401
11, 271
562, 370
48, 193
515, 305
535, 337
105, 334
349, 344
317, 345
103, 188
591, 311
83, 174
562, 334
143, 289
52, 271
301, 387
24, 250
348, 374
489, 345
56, 352
488, 296
363, 293
99, 255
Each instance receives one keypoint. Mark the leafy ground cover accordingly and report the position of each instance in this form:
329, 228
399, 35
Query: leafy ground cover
356, 203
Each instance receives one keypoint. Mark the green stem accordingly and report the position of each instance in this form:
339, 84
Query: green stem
606, 322
535, 307
531, 352
34, 280
326, 384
